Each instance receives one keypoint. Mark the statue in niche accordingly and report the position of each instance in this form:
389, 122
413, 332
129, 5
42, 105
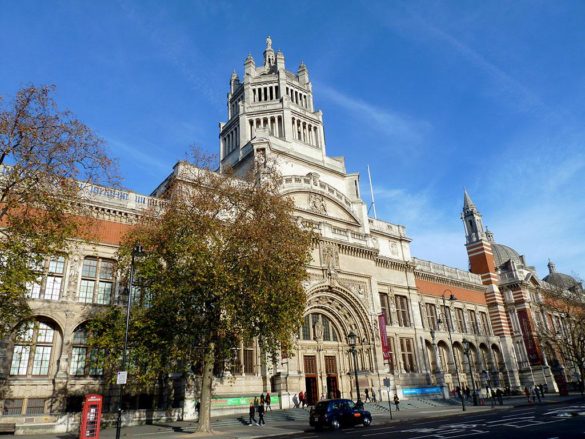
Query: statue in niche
318, 330
317, 203
261, 158
330, 256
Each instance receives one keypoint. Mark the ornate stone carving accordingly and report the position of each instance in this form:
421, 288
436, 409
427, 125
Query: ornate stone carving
330, 255
317, 203
356, 287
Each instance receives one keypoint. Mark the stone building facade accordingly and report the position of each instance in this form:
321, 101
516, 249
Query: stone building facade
411, 316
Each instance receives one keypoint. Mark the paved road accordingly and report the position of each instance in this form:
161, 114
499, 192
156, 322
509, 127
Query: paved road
561, 421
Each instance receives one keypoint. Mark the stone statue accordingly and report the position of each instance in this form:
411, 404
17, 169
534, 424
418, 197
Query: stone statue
268, 42
318, 330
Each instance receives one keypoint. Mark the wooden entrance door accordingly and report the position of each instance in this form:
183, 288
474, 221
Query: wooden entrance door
331, 371
311, 392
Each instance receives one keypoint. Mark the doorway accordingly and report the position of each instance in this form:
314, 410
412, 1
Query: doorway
332, 387
311, 394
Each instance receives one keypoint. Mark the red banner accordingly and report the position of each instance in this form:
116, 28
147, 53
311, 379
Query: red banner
384, 338
531, 347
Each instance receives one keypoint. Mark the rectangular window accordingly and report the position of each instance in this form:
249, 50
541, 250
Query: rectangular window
95, 365
385, 305
310, 364
57, 265
447, 318
35, 406
53, 288
249, 361
89, 268
13, 407
33, 290
86, 291
306, 329
473, 322
104, 293
460, 320
484, 323
330, 364
78, 356
20, 360
41, 360
407, 349
431, 315
402, 310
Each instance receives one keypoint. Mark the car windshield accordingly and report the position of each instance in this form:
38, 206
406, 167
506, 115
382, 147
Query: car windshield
351, 404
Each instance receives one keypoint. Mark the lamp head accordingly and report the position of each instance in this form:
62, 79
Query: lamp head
351, 339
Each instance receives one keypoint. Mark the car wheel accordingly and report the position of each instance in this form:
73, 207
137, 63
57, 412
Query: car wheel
335, 424
367, 422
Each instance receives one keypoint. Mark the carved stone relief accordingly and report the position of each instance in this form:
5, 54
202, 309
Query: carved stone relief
317, 203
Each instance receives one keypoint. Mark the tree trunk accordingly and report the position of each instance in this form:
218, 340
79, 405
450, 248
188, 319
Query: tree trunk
206, 390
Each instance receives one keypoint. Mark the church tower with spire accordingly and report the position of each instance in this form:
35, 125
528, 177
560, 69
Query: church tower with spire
479, 250
478, 242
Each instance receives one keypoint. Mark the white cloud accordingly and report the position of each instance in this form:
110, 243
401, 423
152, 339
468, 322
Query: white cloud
395, 126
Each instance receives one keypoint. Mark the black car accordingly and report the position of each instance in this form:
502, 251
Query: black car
335, 413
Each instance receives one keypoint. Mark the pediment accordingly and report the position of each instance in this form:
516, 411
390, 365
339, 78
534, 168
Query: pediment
323, 205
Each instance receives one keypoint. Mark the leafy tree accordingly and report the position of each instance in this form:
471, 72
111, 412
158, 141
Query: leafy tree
224, 261
565, 331
47, 157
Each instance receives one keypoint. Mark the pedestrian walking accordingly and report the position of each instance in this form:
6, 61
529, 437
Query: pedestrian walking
302, 399
467, 393
267, 399
252, 412
367, 392
500, 396
262, 400
541, 388
527, 393
296, 401
458, 392
536, 394
397, 402
373, 395
261, 420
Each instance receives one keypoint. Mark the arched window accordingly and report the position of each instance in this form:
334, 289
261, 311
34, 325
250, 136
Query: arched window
32, 350
97, 281
83, 361
329, 333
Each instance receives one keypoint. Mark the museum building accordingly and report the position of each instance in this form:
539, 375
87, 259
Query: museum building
421, 328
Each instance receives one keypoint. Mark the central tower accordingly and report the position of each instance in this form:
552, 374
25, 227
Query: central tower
270, 102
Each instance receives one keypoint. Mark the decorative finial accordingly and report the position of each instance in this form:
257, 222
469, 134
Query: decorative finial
552, 268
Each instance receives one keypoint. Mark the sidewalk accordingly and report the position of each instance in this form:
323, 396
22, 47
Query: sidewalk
187, 429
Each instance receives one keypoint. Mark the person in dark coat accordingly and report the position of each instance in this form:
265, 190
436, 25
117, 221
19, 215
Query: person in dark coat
261, 421
252, 414
267, 400
397, 402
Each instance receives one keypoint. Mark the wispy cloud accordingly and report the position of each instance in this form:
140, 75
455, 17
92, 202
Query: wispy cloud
141, 157
395, 126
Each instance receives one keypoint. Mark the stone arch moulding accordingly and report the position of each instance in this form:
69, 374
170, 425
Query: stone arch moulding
345, 310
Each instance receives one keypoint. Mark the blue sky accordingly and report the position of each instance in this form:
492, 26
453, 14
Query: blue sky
435, 96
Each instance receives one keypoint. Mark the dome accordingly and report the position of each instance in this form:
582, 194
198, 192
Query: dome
560, 280
503, 254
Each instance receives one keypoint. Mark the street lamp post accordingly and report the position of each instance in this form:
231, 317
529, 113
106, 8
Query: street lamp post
351, 341
136, 251
466, 351
448, 321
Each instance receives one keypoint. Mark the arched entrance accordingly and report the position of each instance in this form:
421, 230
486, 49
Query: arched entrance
326, 366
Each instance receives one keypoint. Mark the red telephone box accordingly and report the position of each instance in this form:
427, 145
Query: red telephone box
91, 417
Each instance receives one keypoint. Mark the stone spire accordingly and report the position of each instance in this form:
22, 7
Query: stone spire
467, 201
472, 220
489, 235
